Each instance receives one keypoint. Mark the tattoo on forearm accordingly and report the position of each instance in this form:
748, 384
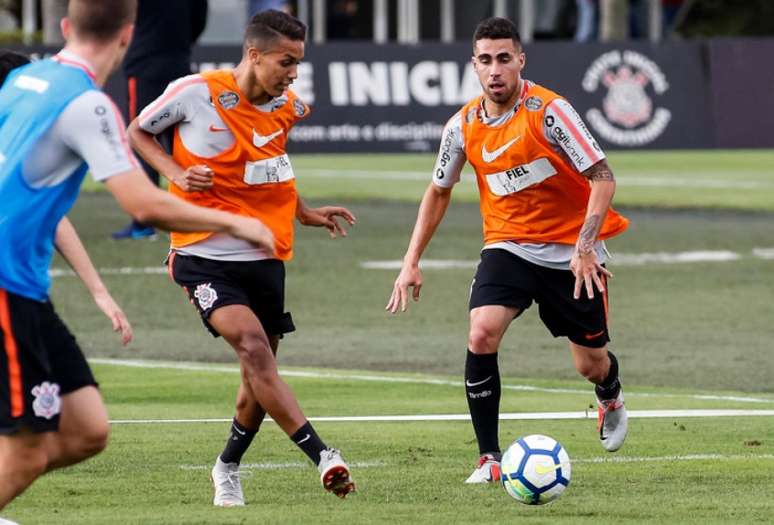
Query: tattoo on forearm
599, 172
588, 234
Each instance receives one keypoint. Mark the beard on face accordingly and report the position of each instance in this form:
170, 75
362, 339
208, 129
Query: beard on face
499, 96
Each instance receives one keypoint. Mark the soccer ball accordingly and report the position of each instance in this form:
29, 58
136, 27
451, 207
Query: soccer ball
535, 470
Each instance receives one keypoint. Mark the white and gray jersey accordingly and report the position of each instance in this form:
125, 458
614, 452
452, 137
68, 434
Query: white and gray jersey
564, 129
89, 129
186, 104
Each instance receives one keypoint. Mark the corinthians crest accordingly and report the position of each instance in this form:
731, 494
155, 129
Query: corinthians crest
627, 80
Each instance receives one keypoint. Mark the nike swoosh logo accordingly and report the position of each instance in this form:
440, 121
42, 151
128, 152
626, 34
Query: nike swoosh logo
306, 438
469, 383
490, 157
593, 336
261, 140
215, 129
239, 431
540, 470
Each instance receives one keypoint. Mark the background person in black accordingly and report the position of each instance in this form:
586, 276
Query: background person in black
164, 34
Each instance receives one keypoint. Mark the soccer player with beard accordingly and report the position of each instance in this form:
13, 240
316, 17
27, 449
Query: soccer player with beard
55, 124
545, 191
231, 128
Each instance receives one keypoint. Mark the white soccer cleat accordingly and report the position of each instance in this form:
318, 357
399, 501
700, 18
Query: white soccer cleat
488, 470
334, 473
4, 521
228, 487
612, 422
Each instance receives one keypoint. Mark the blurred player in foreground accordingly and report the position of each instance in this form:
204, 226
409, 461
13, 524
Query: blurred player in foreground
545, 190
69, 245
231, 128
55, 123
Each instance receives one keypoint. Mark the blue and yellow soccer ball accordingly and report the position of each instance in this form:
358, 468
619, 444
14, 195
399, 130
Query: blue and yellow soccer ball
535, 470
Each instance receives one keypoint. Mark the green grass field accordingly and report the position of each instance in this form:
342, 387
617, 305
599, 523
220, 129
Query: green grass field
688, 336
673, 470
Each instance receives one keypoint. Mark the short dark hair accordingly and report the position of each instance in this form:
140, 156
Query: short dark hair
10, 60
268, 26
495, 28
100, 20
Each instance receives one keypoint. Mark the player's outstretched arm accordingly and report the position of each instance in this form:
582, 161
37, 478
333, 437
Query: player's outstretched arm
147, 204
584, 263
194, 178
324, 216
70, 246
431, 211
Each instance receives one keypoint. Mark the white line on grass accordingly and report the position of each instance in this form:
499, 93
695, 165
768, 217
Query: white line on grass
687, 457
510, 416
619, 259
208, 367
126, 270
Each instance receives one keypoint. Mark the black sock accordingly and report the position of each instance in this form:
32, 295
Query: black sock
482, 386
610, 386
237, 443
308, 441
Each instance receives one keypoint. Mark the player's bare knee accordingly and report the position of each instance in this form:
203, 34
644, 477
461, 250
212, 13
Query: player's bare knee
594, 371
482, 340
90, 441
95, 439
253, 346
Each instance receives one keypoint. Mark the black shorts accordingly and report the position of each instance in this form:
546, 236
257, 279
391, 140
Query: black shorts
211, 284
503, 278
40, 361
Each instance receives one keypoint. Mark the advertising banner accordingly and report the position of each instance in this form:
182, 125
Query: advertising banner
374, 98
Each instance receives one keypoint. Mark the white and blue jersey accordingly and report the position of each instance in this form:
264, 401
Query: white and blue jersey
55, 124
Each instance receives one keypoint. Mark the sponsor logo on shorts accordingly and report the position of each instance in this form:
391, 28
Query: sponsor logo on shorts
228, 100
47, 402
206, 295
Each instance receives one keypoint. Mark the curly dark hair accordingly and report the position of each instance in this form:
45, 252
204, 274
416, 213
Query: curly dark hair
495, 28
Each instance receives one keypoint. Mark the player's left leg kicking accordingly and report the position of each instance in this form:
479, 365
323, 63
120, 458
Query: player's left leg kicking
244, 303
246, 424
239, 326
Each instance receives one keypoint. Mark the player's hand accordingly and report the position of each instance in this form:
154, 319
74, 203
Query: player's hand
113, 312
410, 276
326, 216
195, 178
252, 230
588, 272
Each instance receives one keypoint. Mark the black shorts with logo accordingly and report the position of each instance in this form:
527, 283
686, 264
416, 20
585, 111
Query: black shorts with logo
211, 284
503, 278
40, 361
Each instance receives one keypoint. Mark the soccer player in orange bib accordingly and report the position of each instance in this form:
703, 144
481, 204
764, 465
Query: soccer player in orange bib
230, 132
545, 190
